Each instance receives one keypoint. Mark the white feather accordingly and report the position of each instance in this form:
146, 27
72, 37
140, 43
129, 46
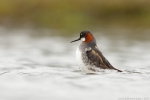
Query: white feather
81, 64
83, 39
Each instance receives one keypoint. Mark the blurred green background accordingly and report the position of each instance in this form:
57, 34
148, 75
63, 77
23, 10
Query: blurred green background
75, 15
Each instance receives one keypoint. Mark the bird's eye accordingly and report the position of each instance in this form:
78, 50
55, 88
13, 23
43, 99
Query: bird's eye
81, 34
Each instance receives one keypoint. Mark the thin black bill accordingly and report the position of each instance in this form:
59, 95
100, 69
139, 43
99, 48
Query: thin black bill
75, 40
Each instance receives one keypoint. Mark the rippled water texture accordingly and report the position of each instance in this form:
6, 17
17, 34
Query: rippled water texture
44, 68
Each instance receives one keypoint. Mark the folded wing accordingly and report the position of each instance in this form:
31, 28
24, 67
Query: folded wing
97, 59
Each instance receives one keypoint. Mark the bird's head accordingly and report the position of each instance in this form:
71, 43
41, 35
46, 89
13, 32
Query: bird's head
86, 37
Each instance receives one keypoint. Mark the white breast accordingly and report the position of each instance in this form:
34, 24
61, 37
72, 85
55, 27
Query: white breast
81, 64
79, 57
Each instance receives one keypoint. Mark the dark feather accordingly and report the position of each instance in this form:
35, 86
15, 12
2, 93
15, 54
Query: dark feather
96, 58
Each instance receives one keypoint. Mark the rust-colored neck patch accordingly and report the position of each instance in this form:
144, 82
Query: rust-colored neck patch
88, 37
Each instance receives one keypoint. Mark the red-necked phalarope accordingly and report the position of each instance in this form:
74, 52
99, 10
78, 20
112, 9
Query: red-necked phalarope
88, 56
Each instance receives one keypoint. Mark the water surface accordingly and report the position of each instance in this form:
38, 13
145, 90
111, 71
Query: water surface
44, 68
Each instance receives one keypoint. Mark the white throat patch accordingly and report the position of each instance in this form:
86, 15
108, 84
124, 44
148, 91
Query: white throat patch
83, 39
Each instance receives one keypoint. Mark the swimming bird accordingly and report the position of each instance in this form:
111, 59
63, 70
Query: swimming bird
88, 56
